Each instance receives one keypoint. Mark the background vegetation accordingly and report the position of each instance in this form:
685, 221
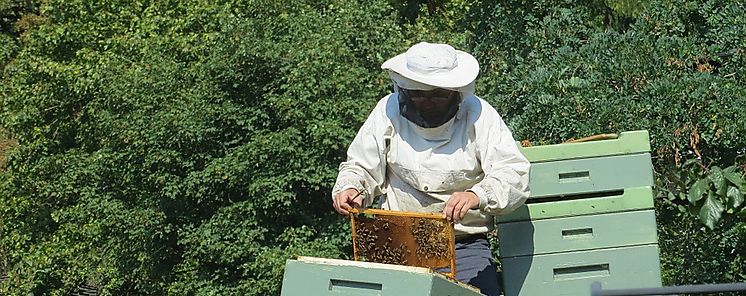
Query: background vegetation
188, 147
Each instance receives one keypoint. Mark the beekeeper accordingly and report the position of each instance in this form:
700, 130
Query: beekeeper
433, 146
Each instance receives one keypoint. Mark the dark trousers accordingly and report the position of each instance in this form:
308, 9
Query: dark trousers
475, 266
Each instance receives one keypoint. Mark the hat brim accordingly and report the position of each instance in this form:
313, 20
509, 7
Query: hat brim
463, 74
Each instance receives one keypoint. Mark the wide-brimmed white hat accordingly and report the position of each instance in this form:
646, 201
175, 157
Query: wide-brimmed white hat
438, 65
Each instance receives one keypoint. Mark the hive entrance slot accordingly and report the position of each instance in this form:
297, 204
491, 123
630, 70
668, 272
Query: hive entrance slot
571, 177
358, 288
554, 198
585, 271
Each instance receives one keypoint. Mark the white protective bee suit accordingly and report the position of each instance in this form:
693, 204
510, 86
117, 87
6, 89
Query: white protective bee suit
416, 169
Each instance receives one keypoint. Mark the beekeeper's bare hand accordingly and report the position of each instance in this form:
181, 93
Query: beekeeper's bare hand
458, 204
346, 200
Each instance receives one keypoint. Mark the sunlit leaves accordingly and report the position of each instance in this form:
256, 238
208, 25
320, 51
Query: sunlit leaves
735, 197
698, 189
734, 177
711, 193
188, 147
718, 180
216, 127
711, 210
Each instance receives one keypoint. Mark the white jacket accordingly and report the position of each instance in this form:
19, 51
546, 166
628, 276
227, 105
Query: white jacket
416, 169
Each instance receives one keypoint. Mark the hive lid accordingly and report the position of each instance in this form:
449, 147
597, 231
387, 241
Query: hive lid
367, 270
626, 143
362, 264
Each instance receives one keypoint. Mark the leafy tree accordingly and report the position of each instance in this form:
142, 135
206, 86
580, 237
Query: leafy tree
188, 147
183, 147
675, 71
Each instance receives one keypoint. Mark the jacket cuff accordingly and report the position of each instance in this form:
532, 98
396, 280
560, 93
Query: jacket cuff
345, 184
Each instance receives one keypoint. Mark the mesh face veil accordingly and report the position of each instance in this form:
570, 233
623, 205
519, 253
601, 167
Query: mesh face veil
430, 108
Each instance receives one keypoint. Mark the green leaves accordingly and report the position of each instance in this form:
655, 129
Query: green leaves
691, 253
698, 189
216, 127
712, 192
711, 210
735, 197
716, 175
209, 133
731, 173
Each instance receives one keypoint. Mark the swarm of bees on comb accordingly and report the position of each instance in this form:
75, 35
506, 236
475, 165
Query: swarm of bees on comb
401, 238
368, 231
431, 237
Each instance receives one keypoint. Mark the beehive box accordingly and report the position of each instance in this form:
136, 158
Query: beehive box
308, 276
572, 273
589, 218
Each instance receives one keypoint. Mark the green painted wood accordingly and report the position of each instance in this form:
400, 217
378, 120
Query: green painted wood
571, 274
589, 175
341, 277
631, 142
577, 233
631, 199
445, 287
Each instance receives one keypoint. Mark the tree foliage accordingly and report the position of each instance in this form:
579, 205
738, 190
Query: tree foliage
189, 147
183, 147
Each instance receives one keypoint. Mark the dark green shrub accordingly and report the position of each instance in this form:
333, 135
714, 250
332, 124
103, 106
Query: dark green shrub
691, 253
559, 71
187, 147
183, 147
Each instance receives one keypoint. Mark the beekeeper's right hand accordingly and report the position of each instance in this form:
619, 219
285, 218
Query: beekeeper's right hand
346, 200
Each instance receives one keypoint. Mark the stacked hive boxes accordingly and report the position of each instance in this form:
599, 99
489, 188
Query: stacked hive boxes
309, 276
589, 218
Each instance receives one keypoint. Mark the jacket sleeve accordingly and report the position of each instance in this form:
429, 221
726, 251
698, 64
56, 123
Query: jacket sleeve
505, 184
365, 167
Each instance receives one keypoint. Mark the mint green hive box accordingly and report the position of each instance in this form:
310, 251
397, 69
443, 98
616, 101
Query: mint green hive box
589, 218
308, 276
